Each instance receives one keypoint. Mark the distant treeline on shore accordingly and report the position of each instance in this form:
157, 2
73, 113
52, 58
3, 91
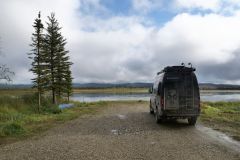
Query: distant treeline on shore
203, 86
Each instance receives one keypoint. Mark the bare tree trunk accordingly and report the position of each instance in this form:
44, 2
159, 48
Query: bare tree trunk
38, 81
68, 97
53, 96
39, 101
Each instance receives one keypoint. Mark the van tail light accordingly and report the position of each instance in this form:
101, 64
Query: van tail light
162, 102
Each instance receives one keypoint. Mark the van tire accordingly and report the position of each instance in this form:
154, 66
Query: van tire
157, 117
192, 121
151, 111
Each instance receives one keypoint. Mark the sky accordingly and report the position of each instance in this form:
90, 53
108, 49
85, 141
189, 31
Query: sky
116, 41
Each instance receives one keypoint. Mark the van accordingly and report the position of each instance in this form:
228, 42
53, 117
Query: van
175, 94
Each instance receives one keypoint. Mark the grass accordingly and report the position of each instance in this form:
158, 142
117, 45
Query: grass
16, 92
222, 116
19, 117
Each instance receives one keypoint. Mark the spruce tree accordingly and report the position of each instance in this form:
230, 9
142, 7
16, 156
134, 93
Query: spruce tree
68, 83
57, 58
37, 56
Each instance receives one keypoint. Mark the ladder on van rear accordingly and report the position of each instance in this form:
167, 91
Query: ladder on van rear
189, 91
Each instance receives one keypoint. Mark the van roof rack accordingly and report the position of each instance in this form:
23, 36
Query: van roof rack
177, 69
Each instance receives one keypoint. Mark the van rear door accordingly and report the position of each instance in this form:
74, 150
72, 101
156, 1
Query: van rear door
171, 92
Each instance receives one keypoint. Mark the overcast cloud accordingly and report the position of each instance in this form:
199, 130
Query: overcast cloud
131, 43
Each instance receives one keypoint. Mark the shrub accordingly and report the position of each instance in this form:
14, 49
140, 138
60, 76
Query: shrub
11, 129
52, 109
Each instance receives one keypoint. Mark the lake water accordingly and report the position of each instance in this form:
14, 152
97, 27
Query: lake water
93, 97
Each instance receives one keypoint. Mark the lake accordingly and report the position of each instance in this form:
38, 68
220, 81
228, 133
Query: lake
206, 96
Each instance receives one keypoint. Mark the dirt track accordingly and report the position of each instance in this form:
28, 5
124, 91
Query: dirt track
121, 131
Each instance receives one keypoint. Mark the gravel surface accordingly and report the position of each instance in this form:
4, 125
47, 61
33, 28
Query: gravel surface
120, 131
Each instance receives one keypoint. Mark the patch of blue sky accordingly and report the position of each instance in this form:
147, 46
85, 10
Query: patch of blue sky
160, 17
117, 7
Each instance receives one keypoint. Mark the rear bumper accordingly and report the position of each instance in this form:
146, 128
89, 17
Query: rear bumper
181, 113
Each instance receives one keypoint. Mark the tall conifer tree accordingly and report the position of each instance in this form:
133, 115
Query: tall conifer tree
68, 83
37, 56
57, 58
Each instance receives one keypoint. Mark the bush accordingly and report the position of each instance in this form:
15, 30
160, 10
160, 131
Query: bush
52, 109
30, 99
11, 129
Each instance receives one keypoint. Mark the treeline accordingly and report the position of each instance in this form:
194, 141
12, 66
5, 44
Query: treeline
50, 61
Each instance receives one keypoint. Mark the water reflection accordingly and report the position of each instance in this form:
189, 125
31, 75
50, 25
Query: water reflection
93, 97
220, 96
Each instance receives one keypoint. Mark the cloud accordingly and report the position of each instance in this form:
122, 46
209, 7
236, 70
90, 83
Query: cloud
16, 28
208, 41
228, 72
137, 52
92, 7
224, 7
124, 48
212, 5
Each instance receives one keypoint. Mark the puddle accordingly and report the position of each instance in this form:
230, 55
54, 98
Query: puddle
221, 137
121, 116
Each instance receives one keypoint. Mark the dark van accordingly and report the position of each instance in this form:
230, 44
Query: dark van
175, 94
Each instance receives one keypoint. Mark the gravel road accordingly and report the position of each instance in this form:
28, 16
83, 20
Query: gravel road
121, 131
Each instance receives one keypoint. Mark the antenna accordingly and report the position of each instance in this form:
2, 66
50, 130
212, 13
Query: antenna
39, 14
190, 64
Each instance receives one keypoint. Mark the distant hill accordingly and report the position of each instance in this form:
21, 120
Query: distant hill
15, 86
204, 86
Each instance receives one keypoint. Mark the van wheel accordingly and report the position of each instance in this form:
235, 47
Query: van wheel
151, 111
192, 121
157, 117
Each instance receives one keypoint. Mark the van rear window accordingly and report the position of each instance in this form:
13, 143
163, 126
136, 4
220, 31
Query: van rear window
173, 78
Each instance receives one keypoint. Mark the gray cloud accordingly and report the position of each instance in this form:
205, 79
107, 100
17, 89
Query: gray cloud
228, 71
124, 48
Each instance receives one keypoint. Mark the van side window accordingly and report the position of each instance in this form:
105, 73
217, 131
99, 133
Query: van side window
154, 89
156, 86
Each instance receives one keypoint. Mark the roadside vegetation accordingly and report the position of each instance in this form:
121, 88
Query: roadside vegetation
20, 118
222, 116
16, 92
